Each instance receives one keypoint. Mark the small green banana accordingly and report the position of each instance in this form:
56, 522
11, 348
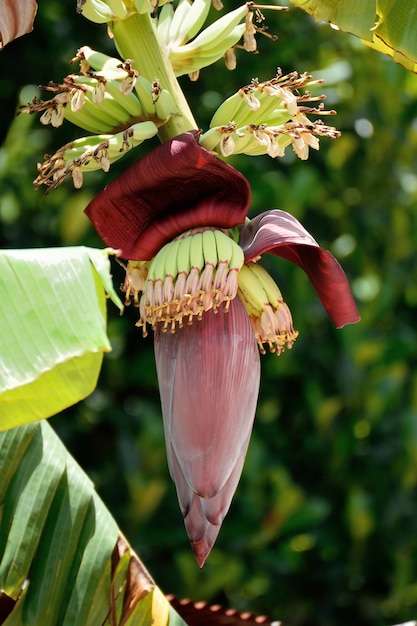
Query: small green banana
269, 110
251, 292
277, 117
219, 48
196, 252
178, 28
224, 247
210, 247
108, 105
210, 139
164, 105
190, 58
171, 262
217, 32
242, 140
97, 152
164, 23
85, 120
224, 254
183, 257
128, 101
227, 111
113, 108
91, 153
83, 149
157, 267
195, 17
145, 94
96, 11
140, 132
99, 112
237, 259
118, 8
270, 287
102, 64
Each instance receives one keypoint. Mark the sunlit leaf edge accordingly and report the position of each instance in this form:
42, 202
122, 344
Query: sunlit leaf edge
45, 293
366, 19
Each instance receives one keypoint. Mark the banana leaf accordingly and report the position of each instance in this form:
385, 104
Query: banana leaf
63, 560
388, 26
52, 329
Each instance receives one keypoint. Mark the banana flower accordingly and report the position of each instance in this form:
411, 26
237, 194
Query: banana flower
178, 217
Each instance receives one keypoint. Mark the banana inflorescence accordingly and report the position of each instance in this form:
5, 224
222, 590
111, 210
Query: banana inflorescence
192, 274
199, 271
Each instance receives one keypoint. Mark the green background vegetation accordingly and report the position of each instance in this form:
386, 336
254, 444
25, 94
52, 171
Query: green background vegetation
323, 527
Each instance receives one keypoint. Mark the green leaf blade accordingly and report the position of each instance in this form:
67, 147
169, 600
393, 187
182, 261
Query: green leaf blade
26, 505
53, 320
388, 26
50, 573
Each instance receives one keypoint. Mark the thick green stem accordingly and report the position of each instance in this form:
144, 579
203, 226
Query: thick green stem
136, 38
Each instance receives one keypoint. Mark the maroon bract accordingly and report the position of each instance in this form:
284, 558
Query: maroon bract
176, 187
282, 234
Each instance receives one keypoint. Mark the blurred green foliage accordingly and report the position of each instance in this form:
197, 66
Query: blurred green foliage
323, 527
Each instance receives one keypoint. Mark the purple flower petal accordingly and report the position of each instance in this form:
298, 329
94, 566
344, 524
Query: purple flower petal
282, 234
208, 376
177, 186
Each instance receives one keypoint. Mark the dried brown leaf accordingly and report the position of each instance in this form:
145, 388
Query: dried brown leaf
138, 581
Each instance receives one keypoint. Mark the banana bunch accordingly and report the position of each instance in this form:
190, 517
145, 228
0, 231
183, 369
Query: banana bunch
102, 11
106, 96
87, 154
108, 99
257, 103
270, 316
156, 103
265, 118
189, 49
190, 275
